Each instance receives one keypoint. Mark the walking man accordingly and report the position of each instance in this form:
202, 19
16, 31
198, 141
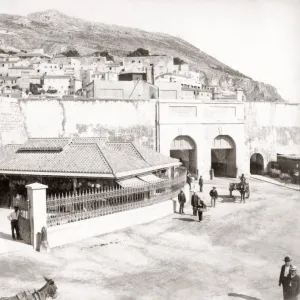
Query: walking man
13, 218
189, 180
181, 200
201, 184
242, 191
293, 284
201, 207
194, 203
214, 195
284, 272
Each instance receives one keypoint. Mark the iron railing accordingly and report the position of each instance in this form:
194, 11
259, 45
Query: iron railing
67, 208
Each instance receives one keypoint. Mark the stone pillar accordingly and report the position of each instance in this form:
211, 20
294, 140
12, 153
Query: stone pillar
37, 211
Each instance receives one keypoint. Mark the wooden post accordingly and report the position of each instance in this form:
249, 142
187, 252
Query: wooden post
37, 211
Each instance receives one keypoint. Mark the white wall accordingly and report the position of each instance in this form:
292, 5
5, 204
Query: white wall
74, 232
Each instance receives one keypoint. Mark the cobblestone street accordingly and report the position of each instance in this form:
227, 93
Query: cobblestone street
236, 251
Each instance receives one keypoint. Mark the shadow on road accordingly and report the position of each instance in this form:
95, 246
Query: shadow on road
229, 199
185, 219
242, 296
5, 236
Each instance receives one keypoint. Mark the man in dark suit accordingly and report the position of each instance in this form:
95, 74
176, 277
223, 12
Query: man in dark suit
214, 195
194, 203
293, 284
200, 206
201, 184
243, 192
284, 272
181, 200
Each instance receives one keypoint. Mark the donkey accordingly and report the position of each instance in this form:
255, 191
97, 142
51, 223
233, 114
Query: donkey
48, 290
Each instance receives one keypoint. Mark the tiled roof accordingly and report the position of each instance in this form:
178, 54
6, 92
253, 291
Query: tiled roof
76, 158
54, 144
80, 155
8, 151
128, 148
89, 140
121, 162
154, 158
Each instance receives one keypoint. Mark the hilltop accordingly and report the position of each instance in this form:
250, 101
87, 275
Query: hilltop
56, 32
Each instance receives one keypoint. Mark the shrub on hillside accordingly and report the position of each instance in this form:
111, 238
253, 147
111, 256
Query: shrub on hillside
178, 61
71, 53
274, 173
138, 52
104, 54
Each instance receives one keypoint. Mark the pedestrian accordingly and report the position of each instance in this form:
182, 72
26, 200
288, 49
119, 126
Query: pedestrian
200, 207
201, 184
293, 284
243, 192
243, 179
194, 203
181, 200
13, 218
189, 180
284, 272
214, 195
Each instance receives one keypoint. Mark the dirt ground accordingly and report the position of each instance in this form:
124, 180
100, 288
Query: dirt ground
235, 253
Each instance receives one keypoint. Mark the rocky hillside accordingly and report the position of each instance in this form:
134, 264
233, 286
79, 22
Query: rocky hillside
57, 32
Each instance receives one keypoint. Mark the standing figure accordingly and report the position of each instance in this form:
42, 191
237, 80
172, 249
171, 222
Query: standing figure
214, 195
201, 206
201, 184
194, 203
181, 200
243, 179
189, 180
293, 284
243, 192
284, 272
13, 218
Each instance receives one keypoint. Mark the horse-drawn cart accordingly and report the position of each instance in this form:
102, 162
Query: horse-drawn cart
237, 186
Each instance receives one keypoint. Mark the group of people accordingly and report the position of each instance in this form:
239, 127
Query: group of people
289, 280
197, 203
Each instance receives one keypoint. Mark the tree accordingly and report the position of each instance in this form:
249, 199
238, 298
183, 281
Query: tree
16, 87
104, 54
35, 88
2, 51
12, 52
138, 52
178, 61
71, 53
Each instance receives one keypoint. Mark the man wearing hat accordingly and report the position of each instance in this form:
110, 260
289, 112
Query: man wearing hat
293, 284
13, 218
214, 195
181, 200
284, 273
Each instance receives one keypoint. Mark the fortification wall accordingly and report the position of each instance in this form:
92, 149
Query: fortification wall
272, 128
125, 120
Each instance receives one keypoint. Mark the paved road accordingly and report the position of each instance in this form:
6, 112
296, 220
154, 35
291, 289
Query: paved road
237, 250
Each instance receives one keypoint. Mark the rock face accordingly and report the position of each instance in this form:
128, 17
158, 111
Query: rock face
57, 32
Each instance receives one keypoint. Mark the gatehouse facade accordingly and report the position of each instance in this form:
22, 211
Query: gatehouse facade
205, 136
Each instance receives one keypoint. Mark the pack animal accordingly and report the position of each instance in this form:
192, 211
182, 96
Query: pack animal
48, 290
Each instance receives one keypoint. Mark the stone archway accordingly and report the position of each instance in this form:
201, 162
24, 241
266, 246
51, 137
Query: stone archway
256, 163
184, 148
223, 156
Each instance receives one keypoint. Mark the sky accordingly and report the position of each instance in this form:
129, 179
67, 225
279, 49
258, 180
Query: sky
260, 38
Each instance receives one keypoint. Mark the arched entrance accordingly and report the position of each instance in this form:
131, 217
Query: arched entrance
223, 156
256, 163
184, 149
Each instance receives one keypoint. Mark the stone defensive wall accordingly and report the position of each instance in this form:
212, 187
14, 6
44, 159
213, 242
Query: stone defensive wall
269, 127
125, 120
